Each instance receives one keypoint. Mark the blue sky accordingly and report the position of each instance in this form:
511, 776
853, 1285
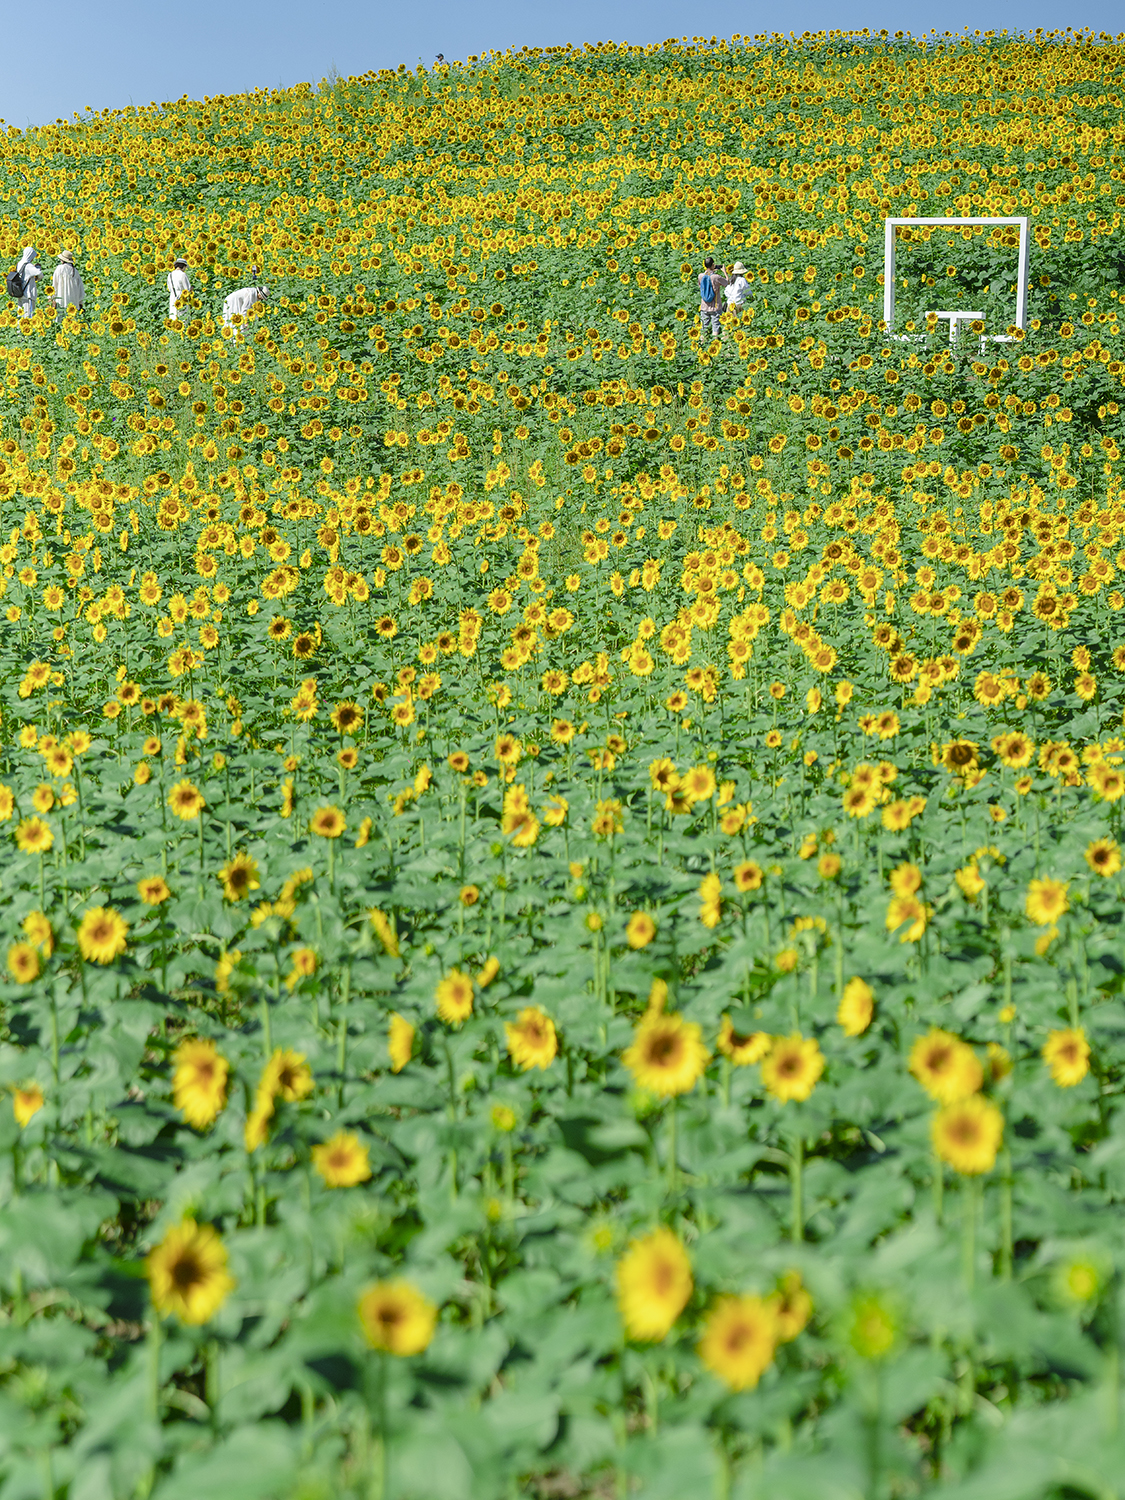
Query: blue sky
124, 52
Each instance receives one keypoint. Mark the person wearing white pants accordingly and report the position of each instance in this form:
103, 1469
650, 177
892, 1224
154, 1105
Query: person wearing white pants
29, 274
67, 290
239, 303
179, 287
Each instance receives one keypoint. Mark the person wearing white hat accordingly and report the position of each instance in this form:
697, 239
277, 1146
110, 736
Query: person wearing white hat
29, 274
737, 290
67, 290
179, 287
239, 303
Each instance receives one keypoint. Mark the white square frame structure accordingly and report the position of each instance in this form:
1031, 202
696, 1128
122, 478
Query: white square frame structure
955, 318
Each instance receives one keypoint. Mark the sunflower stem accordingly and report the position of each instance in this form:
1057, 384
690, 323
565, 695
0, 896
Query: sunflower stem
796, 1168
154, 1341
342, 1038
379, 1457
874, 1435
938, 1187
1072, 1001
1113, 1360
211, 1378
1006, 1215
672, 1173
267, 1035
970, 1201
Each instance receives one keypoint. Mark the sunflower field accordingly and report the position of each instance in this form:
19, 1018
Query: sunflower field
562, 888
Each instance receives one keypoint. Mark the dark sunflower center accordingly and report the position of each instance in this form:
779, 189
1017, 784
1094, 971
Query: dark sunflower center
186, 1272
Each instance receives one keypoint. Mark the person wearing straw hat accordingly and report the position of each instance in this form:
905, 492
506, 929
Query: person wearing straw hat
67, 290
737, 290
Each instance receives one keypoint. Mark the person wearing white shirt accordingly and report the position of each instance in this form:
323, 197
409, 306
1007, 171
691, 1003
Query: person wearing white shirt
29, 274
179, 288
737, 290
67, 290
239, 303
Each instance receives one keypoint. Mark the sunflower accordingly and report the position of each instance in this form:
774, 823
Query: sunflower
400, 1041
1107, 781
860, 801
640, 930
1067, 1054
857, 1006
489, 972
667, 1055
654, 1283
37, 930
33, 836
199, 1081
187, 1273
347, 717
287, 1076
342, 1160
396, 1317
910, 913
517, 819
739, 1340
454, 996
792, 1067
967, 1135
255, 1131
747, 876
698, 784
327, 822
792, 1306
26, 1103
710, 910
101, 935
153, 890
896, 816
1046, 901
1015, 749
743, 1048
186, 800
872, 1328
1104, 857
239, 877
531, 1039
23, 962
959, 757
945, 1066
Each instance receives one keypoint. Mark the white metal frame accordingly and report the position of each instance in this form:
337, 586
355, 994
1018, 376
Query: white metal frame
955, 318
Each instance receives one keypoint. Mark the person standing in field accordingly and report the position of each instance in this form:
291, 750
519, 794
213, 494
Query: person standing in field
179, 287
29, 274
737, 290
712, 283
67, 290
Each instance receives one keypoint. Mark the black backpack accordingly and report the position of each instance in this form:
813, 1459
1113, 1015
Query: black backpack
15, 284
